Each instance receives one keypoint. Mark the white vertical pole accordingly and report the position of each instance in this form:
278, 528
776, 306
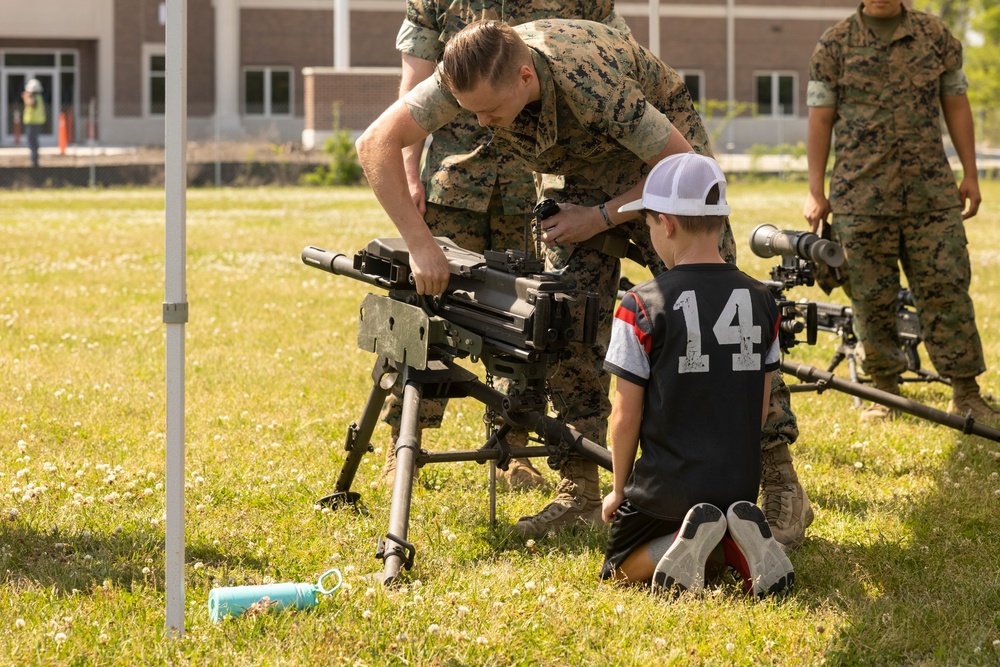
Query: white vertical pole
730, 67
341, 34
654, 27
227, 68
175, 305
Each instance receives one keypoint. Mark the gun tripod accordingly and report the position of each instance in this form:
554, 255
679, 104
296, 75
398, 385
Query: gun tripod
442, 378
847, 350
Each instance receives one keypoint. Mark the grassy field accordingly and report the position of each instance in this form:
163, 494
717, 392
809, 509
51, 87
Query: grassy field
901, 566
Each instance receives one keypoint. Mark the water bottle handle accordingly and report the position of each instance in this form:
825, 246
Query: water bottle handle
320, 586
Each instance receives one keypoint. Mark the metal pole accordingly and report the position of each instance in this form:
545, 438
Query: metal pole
341, 34
730, 70
175, 305
654, 27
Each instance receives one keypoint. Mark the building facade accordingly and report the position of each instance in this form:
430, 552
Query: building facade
287, 70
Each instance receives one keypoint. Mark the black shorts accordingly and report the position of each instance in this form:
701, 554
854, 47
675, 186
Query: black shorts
630, 530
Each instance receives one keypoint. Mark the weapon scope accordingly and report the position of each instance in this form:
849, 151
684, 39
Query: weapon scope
766, 240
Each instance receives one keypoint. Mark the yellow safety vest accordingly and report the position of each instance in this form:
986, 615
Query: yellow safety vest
35, 114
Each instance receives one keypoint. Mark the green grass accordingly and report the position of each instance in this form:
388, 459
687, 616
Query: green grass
900, 566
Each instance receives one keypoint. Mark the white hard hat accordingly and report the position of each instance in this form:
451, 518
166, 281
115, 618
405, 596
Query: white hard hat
33, 86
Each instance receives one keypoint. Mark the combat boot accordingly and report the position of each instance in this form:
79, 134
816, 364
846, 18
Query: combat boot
876, 412
577, 501
966, 400
389, 467
786, 505
520, 474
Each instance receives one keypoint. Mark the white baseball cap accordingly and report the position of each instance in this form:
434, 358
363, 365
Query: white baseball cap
679, 185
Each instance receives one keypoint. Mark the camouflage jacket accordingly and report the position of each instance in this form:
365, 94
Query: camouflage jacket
607, 106
460, 167
888, 145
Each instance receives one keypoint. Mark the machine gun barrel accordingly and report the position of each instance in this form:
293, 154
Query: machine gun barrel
340, 264
825, 379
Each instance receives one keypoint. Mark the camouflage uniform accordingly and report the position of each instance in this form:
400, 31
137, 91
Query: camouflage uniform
476, 195
607, 106
893, 193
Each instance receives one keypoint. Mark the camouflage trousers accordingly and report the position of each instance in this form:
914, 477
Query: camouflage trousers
475, 231
931, 247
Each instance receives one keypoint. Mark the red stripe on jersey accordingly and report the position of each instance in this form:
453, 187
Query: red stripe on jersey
628, 317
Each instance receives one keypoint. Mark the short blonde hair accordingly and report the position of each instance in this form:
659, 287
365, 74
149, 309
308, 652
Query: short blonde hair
489, 51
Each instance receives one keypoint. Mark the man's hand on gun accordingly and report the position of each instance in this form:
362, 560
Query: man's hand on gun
430, 268
572, 224
816, 210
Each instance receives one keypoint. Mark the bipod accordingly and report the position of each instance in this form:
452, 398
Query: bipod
442, 378
819, 381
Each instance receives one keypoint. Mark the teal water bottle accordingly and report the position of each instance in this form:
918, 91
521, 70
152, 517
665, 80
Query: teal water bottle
235, 600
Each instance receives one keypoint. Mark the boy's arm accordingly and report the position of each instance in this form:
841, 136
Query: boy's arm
626, 416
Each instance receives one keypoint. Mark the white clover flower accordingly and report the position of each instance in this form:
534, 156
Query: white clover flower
60, 637
433, 628
660, 642
482, 640
199, 565
859, 465
19, 623
462, 610
730, 646
366, 613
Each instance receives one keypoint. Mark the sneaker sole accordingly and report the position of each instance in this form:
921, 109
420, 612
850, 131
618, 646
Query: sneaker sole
770, 570
683, 566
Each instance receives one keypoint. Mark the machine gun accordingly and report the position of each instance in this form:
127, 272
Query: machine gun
800, 251
500, 309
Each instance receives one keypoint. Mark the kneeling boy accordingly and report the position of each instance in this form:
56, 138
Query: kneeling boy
692, 351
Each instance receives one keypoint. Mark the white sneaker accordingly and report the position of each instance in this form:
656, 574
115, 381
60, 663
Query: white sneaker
758, 557
683, 566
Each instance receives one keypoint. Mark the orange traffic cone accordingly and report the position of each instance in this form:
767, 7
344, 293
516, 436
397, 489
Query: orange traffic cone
62, 133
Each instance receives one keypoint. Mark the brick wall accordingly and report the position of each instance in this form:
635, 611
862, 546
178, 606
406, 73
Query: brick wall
361, 95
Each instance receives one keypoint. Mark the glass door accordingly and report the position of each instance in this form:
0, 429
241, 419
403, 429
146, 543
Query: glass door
56, 71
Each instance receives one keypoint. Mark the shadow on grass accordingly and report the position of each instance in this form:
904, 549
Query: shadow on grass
931, 597
67, 562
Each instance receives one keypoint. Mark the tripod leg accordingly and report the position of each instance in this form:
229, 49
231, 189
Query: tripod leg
852, 367
394, 549
358, 436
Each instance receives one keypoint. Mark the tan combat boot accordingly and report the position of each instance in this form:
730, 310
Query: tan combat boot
389, 467
520, 474
876, 412
966, 400
577, 501
783, 499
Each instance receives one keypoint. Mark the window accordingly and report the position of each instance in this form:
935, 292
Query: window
775, 93
154, 93
267, 91
694, 82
